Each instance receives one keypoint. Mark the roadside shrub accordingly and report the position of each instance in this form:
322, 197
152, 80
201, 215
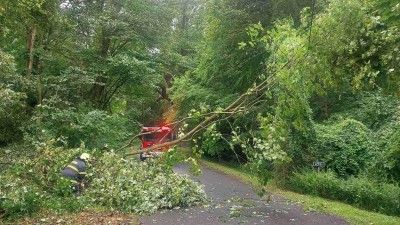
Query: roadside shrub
361, 192
345, 146
319, 184
387, 143
393, 158
140, 187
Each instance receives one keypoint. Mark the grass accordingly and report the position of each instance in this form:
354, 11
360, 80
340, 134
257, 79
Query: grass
352, 214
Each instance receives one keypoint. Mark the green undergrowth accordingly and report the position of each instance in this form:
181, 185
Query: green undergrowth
361, 192
311, 203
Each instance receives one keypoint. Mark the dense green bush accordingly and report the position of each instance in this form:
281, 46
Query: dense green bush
361, 192
393, 157
95, 128
380, 113
13, 110
345, 146
387, 156
12, 115
373, 109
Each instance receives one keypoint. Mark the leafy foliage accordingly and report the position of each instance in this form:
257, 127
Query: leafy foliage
374, 109
393, 158
76, 125
379, 113
337, 62
387, 159
12, 115
214, 143
132, 186
225, 70
33, 182
303, 65
345, 146
83, 73
361, 192
13, 110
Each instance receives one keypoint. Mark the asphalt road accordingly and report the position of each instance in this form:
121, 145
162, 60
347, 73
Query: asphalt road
233, 202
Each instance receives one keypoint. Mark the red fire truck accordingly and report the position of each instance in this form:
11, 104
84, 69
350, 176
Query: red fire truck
153, 136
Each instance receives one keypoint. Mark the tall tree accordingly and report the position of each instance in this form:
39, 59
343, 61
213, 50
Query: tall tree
225, 70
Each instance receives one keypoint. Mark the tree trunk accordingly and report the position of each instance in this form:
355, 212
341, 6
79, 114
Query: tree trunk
326, 107
98, 88
30, 44
184, 24
39, 72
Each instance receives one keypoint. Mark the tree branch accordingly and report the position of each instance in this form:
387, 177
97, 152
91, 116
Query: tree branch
232, 108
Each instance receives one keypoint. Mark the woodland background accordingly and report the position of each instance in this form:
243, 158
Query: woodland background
79, 75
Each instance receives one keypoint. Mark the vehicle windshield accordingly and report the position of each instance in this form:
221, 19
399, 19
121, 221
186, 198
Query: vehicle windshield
158, 137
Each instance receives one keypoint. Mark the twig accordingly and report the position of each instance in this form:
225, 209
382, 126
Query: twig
230, 145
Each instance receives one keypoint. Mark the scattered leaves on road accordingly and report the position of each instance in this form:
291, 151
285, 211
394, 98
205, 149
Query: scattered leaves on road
83, 218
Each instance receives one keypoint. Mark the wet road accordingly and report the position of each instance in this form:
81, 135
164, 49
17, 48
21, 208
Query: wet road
234, 202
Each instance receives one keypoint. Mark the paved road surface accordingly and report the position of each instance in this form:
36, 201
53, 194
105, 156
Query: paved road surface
233, 202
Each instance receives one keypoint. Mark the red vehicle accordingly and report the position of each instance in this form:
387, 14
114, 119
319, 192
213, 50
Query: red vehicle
153, 136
